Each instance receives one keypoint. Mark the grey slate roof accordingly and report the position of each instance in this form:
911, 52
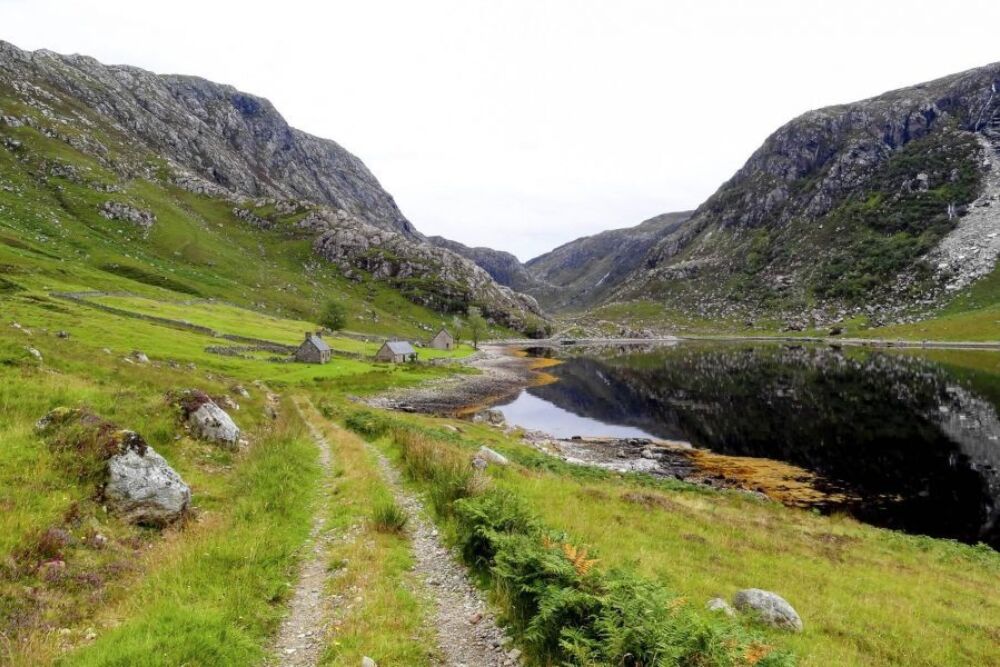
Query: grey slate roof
400, 347
319, 343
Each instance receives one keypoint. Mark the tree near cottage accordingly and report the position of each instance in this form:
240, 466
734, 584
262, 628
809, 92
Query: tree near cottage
476, 326
334, 316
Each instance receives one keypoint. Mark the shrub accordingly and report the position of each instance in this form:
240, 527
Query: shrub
388, 517
334, 316
368, 424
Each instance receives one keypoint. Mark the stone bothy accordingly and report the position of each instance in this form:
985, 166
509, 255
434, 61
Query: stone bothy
313, 349
442, 340
396, 352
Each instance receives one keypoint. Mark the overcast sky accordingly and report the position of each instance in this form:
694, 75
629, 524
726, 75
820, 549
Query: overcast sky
521, 125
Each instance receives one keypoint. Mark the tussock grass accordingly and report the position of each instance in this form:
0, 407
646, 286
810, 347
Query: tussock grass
388, 517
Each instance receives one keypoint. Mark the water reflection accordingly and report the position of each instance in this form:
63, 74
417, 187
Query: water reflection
916, 441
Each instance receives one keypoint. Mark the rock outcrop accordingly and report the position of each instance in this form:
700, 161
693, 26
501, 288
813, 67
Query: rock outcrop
426, 274
223, 136
223, 143
502, 266
580, 273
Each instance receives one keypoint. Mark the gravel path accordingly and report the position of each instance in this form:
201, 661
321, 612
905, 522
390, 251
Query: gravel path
468, 633
300, 640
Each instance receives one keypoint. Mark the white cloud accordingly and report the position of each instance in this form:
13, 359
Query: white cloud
523, 124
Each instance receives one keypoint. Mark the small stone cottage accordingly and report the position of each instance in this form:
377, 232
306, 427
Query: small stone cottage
313, 349
442, 341
396, 352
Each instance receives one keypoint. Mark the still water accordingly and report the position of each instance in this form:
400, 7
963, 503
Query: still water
913, 438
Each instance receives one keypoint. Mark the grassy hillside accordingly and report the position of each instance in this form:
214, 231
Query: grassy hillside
867, 596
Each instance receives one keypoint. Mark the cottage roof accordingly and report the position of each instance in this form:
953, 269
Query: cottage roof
318, 343
445, 332
400, 347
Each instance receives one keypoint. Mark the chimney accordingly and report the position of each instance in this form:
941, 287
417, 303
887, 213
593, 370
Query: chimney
319, 334
308, 334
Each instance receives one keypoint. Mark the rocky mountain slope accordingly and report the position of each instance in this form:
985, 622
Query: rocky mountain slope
179, 132
582, 272
578, 273
878, 208
505, 268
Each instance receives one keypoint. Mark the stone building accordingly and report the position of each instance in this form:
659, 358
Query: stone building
313, 349
442, 340
396, 352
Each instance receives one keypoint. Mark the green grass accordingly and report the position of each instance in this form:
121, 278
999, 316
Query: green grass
211, 598
867, 596
208, 592
228, 319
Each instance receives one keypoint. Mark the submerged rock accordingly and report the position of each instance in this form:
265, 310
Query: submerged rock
769, 607
491, 416
142, 488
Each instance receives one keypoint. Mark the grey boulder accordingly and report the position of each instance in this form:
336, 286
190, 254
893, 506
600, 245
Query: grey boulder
770, 608
491, 456
210, 422
142, 488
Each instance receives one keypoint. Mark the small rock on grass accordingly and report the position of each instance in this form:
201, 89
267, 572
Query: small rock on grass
491, 456
770, 608
142, 487
368, 662
720, 605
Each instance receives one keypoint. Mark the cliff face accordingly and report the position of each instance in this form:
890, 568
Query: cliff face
209, 138
230, 138
853, 207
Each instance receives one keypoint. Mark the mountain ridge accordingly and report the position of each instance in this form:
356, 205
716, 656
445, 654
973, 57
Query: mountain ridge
214, 140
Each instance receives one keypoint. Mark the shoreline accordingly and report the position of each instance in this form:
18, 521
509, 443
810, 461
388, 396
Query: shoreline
505, 371
502, 374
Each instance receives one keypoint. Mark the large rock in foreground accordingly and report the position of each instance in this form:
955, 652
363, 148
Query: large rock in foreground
135, 482
142, 488
769, 607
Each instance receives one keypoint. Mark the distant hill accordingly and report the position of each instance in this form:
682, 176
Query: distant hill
582, 272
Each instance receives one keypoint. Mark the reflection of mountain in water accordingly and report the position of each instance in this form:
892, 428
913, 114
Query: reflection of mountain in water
922, 452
